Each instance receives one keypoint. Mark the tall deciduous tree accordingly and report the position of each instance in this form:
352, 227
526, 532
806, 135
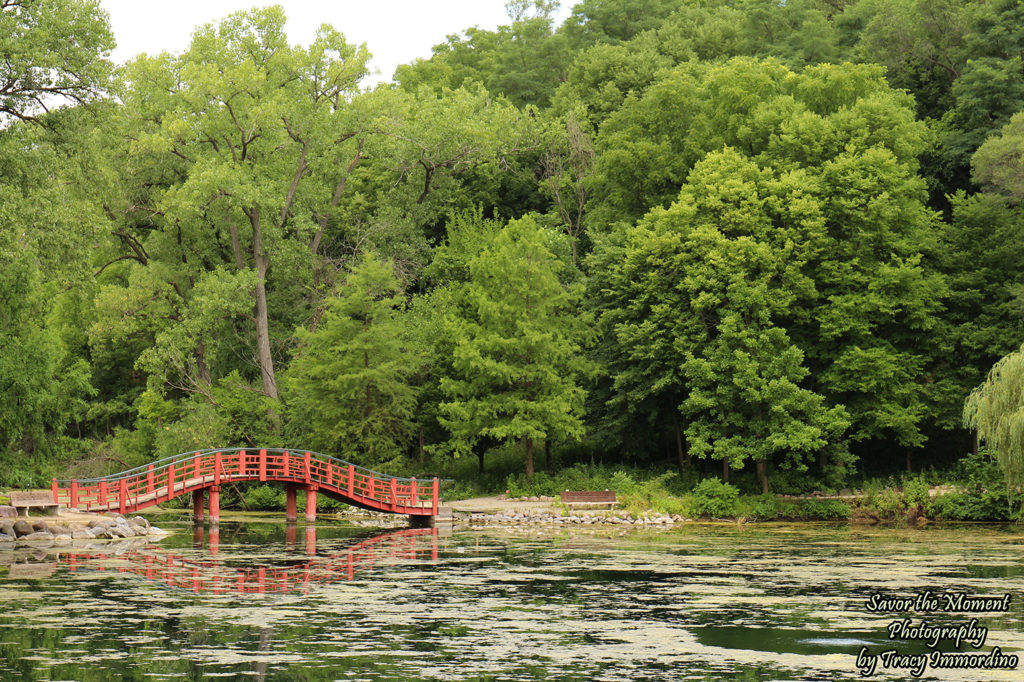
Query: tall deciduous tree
238, 131
999, 162
705, 290
515, 360
51, 52
523, 61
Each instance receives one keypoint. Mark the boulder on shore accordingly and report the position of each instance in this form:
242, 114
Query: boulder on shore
38, 535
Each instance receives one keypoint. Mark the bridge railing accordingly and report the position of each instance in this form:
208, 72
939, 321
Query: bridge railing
170, 477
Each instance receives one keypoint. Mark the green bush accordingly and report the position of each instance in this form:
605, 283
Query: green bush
915, 492
265, 498
769, 508
983, 494
887, 502
651, 495
987, 505
824, 510
714, 498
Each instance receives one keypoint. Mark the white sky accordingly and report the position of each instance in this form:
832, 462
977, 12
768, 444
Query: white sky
395, 31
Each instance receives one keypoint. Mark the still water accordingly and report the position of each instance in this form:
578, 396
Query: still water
259, 601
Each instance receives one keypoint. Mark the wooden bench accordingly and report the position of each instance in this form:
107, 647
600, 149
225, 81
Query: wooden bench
577, 498
23, 501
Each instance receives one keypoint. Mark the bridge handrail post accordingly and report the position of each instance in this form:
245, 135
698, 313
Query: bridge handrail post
394, 494
53, 487
103, 491
73, 489
218, 466
149, 479
414, 493
196, 467
263, 464
170, 481
306, 464
351, 480
434, 500
122, 495
241, 463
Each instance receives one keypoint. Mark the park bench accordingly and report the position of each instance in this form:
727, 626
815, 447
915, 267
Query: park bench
23, 501
577, 498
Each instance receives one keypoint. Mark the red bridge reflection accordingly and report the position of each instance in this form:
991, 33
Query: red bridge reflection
212, 576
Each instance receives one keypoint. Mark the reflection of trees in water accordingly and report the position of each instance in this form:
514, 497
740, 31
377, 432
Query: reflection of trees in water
213, 576
266, 638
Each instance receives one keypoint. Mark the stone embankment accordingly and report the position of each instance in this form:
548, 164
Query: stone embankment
70, 525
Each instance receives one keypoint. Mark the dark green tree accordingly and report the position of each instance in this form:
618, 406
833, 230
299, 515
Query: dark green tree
516, 340
350, 388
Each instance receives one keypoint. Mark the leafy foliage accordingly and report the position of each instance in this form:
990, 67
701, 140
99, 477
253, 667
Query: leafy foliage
996, 411
716, 499
515, 356
349, 388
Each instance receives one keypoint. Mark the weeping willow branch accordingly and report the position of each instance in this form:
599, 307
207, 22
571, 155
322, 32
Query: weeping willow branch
996, 411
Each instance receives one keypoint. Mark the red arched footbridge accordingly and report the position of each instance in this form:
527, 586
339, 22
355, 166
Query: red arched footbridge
207, 470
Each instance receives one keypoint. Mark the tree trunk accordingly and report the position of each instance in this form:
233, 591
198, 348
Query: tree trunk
423, 448
529, 459
480, 457
236, 246
547, 455
762, 475
822, 460
679, 443
263, 355
975, 443
725, 470
202, 371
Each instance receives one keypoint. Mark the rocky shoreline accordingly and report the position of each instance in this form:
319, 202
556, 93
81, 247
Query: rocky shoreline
70, 525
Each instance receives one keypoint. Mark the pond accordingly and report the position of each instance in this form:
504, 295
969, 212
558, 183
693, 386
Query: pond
262, 601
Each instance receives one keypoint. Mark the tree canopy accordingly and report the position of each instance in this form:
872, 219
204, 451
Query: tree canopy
775, 240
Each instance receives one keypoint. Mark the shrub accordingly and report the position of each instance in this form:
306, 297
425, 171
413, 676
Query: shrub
769, 508
887, 502
987, 505
265, 498
716, 499
825, 510
915, 492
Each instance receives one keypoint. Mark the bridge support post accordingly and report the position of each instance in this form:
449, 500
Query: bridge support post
197, 506
311, 540
291, 512
310, 503
290, 532
214, 506
214, 539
